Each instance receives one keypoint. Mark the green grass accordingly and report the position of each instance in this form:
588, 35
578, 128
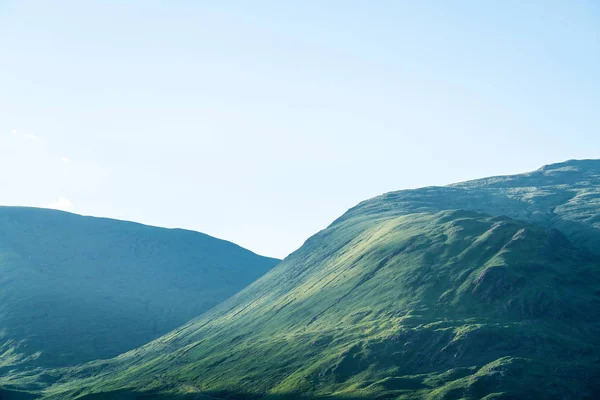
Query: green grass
389, 309
488, 289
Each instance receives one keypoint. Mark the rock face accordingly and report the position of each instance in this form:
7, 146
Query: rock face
485, 289
75, 289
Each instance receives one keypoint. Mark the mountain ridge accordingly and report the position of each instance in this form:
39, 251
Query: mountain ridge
415, 294
525, 201
129, 222
409, 295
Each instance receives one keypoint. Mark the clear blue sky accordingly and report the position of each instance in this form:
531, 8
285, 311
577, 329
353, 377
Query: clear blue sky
262, 123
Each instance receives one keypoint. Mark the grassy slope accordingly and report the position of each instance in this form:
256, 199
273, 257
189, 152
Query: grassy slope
74, 289
398, 299
565, 196
386, 302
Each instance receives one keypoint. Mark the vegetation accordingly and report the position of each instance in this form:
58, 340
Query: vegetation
75, 289
488, 289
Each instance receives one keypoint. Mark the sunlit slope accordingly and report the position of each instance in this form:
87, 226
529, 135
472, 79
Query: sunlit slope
565, 196
74, 289
452, 304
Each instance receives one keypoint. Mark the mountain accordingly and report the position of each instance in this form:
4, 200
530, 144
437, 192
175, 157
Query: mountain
484, 289
75, 289
565, 196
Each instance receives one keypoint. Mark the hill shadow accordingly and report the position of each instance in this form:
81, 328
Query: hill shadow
6, 394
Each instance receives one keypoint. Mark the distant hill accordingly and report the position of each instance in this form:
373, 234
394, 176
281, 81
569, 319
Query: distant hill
488, 289
75, 289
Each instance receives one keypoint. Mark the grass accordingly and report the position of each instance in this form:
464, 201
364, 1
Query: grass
488, 289
397, 305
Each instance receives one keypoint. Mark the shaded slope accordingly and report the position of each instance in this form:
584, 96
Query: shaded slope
74, 289
448, 305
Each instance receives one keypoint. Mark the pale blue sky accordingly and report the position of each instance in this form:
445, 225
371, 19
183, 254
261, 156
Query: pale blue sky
261, 122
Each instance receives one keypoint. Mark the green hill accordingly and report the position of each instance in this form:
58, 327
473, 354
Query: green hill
75, 289
485, 289
565, 196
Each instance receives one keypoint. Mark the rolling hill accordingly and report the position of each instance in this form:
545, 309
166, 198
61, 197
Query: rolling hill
484, 289
75, 289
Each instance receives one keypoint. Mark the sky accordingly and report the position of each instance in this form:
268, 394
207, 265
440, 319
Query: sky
261, 122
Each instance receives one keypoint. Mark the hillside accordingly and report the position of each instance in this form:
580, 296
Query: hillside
484, 289
75, 289
565, 196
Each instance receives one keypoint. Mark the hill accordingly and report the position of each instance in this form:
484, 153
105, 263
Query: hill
75, 289
484, 289
565, 196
